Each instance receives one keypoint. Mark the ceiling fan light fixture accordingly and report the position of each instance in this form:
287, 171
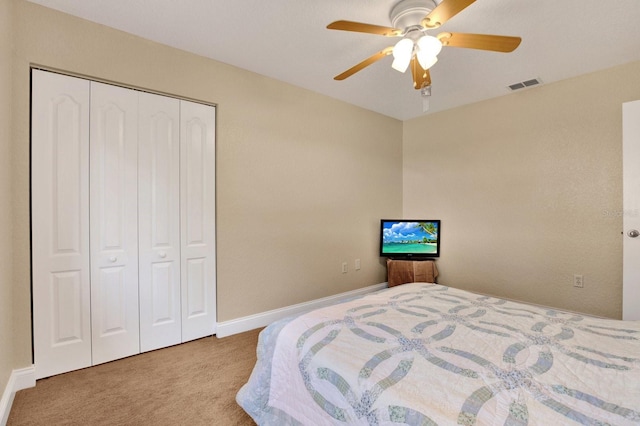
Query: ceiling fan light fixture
402, 53
411, 20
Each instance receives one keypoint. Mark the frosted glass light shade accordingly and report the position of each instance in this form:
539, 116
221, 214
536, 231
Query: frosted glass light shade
428, 49
429, 45
402, 52
426, 62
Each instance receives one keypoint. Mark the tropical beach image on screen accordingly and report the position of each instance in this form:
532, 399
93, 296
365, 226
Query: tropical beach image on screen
409, 237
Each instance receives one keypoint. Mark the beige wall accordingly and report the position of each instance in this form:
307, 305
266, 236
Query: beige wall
6, 213
529, 190
302, 179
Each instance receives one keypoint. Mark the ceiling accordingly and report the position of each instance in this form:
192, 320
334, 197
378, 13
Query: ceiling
288, 41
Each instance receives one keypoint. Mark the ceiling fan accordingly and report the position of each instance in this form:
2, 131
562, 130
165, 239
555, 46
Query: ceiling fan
411, 19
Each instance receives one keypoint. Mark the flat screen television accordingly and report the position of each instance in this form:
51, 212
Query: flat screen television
409, 239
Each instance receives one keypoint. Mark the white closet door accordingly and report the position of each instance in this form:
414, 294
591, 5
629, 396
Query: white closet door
60, 224
159, 221
113, 218
198, 233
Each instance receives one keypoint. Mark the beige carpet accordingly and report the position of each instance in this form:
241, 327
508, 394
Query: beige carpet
190, 384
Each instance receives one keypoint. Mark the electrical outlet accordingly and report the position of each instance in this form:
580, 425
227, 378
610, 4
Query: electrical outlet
578, 280
357, 264
344, 267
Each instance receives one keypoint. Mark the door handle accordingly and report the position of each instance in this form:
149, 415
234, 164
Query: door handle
162, 254
113, 259
634, 233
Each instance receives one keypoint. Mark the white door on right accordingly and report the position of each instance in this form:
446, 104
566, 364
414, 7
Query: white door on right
631, 211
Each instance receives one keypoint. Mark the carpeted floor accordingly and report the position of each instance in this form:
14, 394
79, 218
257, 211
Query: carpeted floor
190, 384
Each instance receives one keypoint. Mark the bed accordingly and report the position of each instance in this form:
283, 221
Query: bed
427, 354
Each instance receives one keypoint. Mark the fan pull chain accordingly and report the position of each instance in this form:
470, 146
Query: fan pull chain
426, 94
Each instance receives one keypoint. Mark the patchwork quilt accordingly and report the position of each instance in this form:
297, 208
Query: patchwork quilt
426, 354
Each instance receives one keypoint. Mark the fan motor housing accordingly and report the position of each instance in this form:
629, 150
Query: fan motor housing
409, 13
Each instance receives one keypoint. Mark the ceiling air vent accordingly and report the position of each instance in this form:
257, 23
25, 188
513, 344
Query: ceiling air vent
523, 84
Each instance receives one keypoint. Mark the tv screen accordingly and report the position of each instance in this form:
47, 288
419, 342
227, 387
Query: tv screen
409, 239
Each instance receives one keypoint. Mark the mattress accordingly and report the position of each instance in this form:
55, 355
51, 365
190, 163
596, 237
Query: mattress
427, 354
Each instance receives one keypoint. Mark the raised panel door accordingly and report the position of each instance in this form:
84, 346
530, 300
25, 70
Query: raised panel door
114, 222
198, 233
60, 223
159, 221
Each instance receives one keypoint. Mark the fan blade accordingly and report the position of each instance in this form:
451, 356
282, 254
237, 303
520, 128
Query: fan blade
359, 27
494, 43
370, 60
445, 11
421, 77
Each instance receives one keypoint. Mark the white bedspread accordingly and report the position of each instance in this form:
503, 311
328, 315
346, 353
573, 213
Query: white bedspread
425, 354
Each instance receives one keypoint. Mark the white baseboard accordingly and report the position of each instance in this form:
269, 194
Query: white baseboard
21, 378
240, 325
